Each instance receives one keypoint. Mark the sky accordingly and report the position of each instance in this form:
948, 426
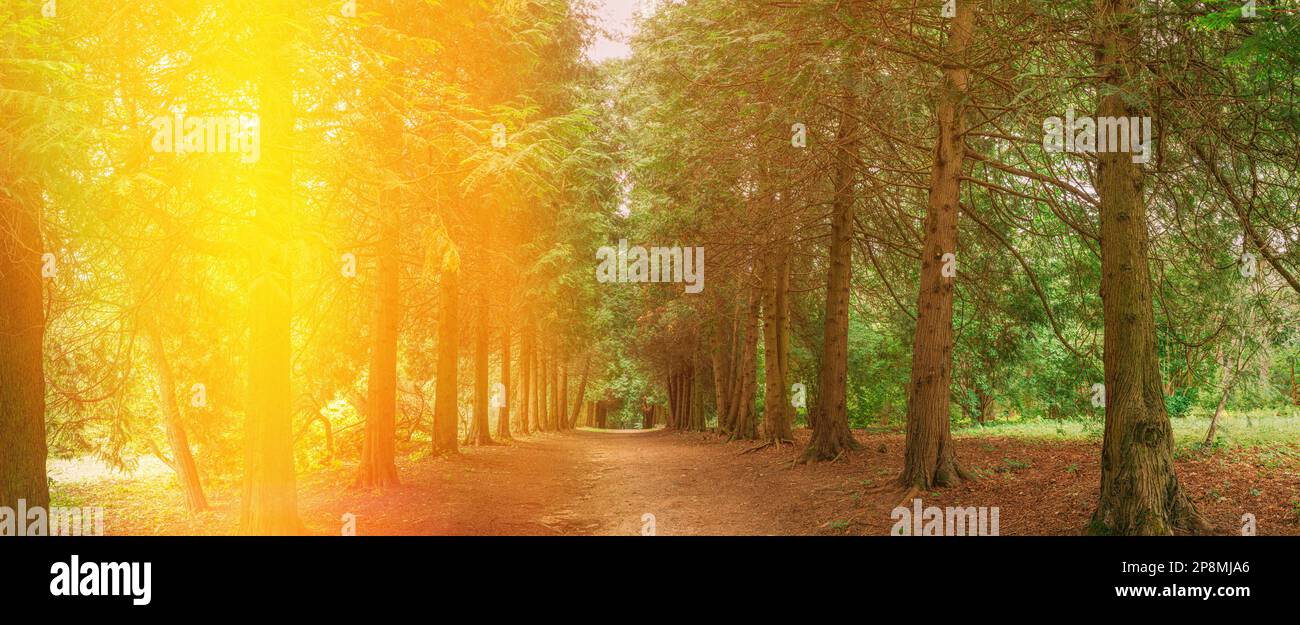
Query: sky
615, 16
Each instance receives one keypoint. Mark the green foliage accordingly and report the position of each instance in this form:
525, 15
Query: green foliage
1180, 403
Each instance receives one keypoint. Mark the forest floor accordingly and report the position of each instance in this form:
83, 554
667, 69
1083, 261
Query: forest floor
604, 482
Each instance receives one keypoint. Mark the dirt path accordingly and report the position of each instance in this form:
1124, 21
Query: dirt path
683, 485
578, 483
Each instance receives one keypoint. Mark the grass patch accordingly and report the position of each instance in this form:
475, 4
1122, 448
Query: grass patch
1259, 430
1011, 465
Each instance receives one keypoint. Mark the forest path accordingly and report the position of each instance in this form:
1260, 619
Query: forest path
582, 482
604, 482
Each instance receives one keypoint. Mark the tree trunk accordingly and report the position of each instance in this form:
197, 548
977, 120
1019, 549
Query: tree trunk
525, 379
744, 424
698, 421
182, 460
986, 405
1223, 401
539, 390
22, 364
562, 398
553, 410
270, 497
270, 502
446, 418
830, 427
377, 468
691, 397
1140, 495
1214, 420
929, 456
543, 403
582, 393
684, 396
732, 369
778, 418
721, 372
673, 410
503, 411
479, 433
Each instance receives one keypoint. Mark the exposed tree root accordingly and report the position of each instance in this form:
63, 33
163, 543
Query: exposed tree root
892, 490
813, 454
907, 496
777, 443
926, 475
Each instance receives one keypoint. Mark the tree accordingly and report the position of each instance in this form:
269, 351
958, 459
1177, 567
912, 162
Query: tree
503, 410
929, 456
1140, 494
34, 102
830, 424
377, 468
479, 433
446, 416
22, 326
270, 502
778, 414
182, 460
